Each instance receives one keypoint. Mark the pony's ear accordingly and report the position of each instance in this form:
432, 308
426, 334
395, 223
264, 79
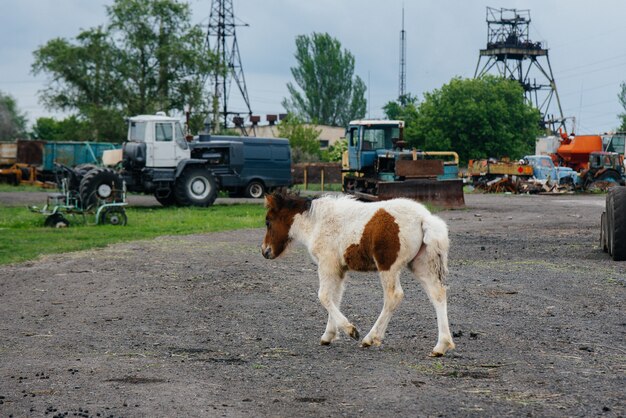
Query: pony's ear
269, 201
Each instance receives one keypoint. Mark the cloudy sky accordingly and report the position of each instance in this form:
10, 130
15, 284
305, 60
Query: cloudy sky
586, 41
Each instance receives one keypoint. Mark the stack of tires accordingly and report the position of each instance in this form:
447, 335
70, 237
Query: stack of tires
613, 224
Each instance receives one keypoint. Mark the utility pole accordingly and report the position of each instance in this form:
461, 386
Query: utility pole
222, 41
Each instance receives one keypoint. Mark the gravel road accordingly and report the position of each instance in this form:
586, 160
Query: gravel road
204, 326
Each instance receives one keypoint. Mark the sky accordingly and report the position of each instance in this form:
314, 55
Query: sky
585, 39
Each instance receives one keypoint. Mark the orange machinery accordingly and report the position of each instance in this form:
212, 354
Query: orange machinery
575, 149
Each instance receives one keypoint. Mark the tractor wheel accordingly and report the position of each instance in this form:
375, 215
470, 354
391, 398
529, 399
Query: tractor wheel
100, 184
84, 168
609, 223
255, 189
604, 233
113, 215
56, 220
196, 187
616, 223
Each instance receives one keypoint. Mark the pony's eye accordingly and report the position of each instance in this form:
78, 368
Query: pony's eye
267, 223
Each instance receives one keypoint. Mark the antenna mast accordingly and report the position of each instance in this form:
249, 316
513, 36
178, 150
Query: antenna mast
402, 82
222, 41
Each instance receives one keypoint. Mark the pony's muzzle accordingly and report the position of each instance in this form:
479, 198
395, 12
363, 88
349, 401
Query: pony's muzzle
267, 252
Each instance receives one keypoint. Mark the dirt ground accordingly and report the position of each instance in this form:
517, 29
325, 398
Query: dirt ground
204, 326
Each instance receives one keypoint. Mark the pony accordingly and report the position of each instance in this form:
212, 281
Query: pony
343, 234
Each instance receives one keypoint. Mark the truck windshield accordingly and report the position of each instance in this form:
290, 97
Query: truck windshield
380, 137
137, 131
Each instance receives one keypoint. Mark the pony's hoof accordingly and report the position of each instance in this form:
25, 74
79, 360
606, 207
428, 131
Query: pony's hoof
328, 337
368, 342
442, 348
354, 333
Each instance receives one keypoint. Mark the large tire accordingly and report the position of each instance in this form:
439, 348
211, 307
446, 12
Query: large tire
255, 189
196, 186
604, 243
616, 223
100, 184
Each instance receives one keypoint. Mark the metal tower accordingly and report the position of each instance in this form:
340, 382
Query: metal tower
512, 54
222, 41
402, 82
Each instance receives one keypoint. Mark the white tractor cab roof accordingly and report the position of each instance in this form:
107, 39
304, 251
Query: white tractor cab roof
160, 116
367, 122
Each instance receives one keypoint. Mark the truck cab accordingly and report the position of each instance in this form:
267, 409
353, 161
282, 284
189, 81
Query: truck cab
544, 169
159, 139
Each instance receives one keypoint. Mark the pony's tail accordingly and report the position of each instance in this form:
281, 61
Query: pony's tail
437, 244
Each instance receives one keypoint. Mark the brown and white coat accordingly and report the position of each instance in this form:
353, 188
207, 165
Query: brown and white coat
343, 234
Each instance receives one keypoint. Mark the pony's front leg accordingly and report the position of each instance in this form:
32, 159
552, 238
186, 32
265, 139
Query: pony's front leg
330, 334
330, 294
393, 294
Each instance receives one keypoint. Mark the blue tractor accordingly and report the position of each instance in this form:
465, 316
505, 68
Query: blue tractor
379, 166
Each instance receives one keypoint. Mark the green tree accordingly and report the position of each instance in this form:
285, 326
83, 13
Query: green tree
335, 152
477, 118
622, 100
330, 93
162, 55
12, 121
68, 129
405, 108
147, 58
303, 139
84, 81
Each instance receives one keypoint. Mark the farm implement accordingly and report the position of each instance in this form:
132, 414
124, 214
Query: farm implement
97, 197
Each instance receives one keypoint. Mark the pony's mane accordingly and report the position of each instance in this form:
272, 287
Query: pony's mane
285, 198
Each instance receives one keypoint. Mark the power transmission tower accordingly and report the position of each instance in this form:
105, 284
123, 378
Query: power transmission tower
222, 41
402, 81
512, 54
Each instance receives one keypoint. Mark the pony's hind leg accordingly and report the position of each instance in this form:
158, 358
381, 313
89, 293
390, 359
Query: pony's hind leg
436, 292
330, 293
393, 294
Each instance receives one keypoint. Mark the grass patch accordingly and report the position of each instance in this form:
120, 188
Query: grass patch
25, 238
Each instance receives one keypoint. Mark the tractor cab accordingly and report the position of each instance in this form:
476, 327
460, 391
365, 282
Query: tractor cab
156, 141
371, 140
603, 161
